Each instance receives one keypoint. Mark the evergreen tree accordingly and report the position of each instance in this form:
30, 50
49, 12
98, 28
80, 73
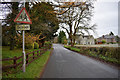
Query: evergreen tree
111, 33
61, 36
42, 21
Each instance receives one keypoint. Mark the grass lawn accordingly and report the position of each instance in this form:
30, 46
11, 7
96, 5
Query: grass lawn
33, 70
7, 53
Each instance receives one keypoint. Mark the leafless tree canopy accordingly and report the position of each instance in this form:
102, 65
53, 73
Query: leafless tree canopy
76, 15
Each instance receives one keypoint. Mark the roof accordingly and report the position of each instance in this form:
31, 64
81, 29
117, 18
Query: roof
107, 36
85, 36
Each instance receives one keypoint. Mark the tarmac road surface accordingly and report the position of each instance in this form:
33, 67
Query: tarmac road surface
64, 63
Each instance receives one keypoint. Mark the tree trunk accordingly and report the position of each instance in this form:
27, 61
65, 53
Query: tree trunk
74, 37
12, 40
70, 36
12, 43
71, 43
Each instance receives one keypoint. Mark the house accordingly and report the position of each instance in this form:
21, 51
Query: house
109, 38
85, 40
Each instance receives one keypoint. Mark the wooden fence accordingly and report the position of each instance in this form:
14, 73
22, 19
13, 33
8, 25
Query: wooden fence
29, 59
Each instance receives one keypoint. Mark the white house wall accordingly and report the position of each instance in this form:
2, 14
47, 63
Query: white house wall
85, 40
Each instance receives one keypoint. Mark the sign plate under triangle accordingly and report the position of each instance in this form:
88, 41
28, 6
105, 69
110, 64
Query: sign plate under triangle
23, 27
23, 17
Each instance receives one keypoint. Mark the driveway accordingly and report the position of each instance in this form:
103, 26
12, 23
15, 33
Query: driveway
64, 63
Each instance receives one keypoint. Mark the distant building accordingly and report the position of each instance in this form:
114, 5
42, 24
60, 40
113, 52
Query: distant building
109, 38
85, 40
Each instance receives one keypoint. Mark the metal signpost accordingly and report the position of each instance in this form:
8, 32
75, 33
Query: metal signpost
23, 17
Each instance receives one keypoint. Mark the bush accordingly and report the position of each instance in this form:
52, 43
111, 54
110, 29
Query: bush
19, 41
29, 46
48, 43
103, 41
36, 45
64, 40
29, 40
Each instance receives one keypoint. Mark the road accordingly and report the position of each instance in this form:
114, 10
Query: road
64, 63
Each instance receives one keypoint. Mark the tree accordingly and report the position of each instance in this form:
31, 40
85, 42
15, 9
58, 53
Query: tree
117, 39
75, 17
61, 36
111, 33
9, 25
43, 22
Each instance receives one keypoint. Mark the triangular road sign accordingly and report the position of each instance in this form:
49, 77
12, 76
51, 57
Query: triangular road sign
23, 17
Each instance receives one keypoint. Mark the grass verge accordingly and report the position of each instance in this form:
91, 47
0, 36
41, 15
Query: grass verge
33, 70
95, 55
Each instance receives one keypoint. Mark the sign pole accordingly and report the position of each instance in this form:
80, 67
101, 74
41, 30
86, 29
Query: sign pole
23, 17
24, 60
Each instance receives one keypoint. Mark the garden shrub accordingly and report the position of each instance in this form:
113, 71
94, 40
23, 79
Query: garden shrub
19, 41
103, 41
29, 46
36, 45
64, 40
48, 43
29, 40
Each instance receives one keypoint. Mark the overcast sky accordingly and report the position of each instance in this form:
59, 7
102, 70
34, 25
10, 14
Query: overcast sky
106, 17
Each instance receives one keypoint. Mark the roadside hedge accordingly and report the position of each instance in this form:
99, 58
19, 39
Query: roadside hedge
109, 54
